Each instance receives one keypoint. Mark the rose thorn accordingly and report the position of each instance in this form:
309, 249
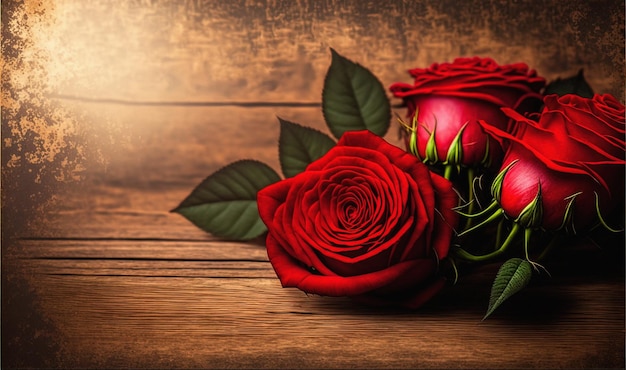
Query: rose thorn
601, 219
568, 216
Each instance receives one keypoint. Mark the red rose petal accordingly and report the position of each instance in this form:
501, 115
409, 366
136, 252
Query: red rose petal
292, 274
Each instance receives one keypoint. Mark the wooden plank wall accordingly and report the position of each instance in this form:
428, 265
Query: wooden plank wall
112, 111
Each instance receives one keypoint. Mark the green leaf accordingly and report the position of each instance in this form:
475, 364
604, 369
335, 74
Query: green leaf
572, 85
512, 277
224, 204
354, 99
298, 146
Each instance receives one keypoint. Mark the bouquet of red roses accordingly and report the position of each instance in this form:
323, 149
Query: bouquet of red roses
497, 166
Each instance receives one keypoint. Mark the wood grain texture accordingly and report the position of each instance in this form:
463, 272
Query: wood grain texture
113, 111
212, 304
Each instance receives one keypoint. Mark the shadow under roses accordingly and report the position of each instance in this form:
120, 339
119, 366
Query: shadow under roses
545, 300
577, 262
582, 264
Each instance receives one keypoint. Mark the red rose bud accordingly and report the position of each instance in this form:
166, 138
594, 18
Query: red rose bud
367, 220
566, 170
448, 99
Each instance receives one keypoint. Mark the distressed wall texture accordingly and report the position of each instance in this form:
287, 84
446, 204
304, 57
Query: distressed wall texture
57, 52
108, 108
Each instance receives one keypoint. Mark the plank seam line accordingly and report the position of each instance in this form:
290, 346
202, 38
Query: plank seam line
252, 104
107, 239
163, 276
245, 104
76, 258
169, 268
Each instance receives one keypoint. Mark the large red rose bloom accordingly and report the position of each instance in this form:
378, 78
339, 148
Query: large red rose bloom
367, 220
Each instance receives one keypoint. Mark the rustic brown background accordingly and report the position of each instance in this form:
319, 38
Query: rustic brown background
112, 111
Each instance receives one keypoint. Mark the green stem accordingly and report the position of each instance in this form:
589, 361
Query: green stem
456, 271
556, 239
527, 234
494, 205
499, 232
496, 215
507, 243
470, 196
448, 172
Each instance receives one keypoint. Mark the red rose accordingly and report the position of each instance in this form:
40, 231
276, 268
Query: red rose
367, 220
573, 154
450, 98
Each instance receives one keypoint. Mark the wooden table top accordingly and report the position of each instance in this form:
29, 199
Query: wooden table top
113, 112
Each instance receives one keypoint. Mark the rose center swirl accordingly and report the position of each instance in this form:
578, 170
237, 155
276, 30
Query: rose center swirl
355, 214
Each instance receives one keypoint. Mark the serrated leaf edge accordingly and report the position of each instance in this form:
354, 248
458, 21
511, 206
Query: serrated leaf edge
496, 299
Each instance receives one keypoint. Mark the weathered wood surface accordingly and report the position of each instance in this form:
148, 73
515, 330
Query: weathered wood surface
109, 121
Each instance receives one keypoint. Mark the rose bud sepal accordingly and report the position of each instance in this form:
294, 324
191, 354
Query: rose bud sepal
454, 156
531, 217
